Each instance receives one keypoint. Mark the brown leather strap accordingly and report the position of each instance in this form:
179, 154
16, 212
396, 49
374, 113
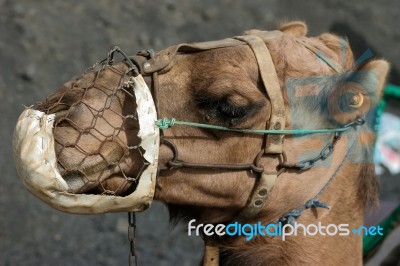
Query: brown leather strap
211, 253
165, 57
274, 143
268, 35
259, 195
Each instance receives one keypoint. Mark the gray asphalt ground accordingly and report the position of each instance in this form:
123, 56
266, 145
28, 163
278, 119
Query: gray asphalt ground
43, 43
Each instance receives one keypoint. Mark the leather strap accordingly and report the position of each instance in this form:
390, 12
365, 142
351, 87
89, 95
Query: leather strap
259, 195
273, 143
211, 253
164, 58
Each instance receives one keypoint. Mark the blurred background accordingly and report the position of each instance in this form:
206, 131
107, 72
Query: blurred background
44, 43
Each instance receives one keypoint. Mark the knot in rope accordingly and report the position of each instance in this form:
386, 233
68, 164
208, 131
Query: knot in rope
291, 216
316, 204
165, 123
294, 214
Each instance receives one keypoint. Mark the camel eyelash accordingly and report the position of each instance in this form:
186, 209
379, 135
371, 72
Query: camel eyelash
229, 111
222, 109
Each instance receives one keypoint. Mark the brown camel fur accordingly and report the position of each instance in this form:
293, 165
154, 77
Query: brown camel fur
223, 87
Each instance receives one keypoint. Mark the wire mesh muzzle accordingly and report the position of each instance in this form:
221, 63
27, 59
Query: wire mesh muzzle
92, 147
96, 132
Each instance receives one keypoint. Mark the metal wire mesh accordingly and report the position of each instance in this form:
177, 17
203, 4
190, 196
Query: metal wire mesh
96, 130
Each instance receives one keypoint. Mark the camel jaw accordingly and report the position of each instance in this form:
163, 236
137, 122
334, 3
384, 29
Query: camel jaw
36, 162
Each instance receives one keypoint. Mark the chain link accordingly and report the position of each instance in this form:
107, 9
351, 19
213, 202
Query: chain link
325, 152
133, 260
309, 163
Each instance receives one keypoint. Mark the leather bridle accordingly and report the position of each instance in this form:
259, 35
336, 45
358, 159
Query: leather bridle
272, 145
150, 64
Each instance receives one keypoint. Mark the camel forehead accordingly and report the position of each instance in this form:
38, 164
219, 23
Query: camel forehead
238, 60
290, 57
224, 72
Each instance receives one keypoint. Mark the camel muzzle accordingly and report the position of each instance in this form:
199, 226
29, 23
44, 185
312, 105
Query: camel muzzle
36, 160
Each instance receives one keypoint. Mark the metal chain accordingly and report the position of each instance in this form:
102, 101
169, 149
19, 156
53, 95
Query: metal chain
325, 152
309, 163
131, 236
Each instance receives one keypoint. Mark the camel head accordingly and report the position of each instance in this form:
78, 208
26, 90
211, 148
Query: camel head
96, 126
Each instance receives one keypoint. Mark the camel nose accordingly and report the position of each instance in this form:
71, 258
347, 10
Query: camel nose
84, 167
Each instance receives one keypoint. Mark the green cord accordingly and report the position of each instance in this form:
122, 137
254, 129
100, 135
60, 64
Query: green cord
391, 90
169, 122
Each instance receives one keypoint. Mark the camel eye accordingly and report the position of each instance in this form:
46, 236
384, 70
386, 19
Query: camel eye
223, 110
356, 100
229, 111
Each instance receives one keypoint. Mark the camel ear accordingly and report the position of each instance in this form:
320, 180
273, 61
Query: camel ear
380, 69
296, 28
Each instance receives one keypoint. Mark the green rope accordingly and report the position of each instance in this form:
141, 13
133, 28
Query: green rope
391, 90
170, 122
